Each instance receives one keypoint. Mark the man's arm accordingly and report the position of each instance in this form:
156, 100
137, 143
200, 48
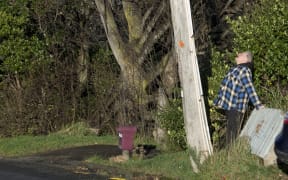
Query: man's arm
246, 80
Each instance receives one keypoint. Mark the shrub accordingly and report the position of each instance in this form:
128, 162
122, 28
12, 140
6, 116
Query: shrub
219, 68
263, 31
172, 120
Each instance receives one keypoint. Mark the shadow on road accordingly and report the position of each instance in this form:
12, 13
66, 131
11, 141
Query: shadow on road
83, 152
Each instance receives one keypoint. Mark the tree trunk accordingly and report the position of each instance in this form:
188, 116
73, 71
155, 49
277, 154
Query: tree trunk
131, 54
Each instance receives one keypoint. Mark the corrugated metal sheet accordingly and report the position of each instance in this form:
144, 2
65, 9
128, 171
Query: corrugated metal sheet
262, 128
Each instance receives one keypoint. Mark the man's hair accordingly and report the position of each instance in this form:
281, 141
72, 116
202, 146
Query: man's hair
249, 56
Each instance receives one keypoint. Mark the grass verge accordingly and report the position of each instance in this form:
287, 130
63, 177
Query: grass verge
234, 163
75, 135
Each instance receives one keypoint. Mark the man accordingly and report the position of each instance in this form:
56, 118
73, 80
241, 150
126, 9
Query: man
236, 90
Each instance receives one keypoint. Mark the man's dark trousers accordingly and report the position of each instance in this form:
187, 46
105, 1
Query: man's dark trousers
234, 119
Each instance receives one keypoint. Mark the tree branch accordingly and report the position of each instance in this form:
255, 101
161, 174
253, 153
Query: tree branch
116, 43
146, 48
151, 24
134, 19
226, 6
159, 68
145, 17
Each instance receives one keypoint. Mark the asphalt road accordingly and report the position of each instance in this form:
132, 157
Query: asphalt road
15, 170
63, 164
66, 164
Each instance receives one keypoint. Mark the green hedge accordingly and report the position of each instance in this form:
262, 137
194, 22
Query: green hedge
263, 31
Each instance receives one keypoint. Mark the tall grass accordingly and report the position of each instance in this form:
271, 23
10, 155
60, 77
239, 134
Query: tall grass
237, 162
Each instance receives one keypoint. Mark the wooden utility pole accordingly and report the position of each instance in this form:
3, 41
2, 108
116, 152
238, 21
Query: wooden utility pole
196, 126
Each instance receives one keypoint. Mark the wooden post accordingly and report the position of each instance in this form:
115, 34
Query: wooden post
196, 126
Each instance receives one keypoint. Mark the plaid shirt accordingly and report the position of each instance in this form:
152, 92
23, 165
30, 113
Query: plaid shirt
236, 90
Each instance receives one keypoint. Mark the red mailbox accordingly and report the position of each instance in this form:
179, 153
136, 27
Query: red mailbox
126, 137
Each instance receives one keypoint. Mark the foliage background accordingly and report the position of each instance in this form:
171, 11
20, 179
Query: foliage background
264, 31
56, 66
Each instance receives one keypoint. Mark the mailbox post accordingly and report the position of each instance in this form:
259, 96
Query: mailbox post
126, 139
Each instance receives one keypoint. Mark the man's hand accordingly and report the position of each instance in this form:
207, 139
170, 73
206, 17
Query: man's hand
261, 107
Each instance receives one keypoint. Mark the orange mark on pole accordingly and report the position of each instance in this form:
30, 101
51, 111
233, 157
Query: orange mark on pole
181, 44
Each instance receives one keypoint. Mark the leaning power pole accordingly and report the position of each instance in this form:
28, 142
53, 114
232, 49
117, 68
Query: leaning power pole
196, 126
